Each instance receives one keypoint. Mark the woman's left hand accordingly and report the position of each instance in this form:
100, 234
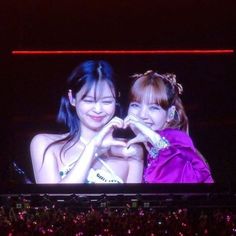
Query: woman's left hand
104, 138
143, 132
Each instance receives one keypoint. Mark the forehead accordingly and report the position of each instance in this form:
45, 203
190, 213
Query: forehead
97, 90
146, 95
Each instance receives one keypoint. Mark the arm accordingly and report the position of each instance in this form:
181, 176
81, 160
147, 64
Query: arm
134, 157
45, 169
143, 133
178, 163
172, 157
79, 172
136, 163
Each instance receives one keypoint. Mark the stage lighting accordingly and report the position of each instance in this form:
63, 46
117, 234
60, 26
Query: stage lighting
134, 203
18, 205
146, 204
103, 204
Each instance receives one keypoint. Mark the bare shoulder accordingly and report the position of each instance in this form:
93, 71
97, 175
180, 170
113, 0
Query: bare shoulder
41, 141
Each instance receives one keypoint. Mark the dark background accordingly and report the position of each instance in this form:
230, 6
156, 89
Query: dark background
31, 85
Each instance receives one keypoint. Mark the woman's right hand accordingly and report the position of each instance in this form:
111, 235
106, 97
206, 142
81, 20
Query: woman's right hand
143, 132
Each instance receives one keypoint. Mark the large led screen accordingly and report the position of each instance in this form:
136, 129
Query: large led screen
118, 119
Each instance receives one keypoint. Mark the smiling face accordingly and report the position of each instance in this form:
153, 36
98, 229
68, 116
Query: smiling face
96, 107
155, 99
152, 114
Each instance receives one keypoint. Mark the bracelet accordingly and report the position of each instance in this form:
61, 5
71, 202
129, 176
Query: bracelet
161, 144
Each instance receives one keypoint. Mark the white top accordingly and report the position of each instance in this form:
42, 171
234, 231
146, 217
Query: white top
96, 176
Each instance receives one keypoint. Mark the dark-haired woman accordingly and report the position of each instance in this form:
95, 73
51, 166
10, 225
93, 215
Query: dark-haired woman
85, 153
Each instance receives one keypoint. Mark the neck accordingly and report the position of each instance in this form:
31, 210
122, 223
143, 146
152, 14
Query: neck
86, 135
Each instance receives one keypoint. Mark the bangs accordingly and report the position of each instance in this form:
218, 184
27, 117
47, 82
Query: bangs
98, 89
150, 91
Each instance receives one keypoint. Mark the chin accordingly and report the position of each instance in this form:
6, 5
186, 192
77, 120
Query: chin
96, 128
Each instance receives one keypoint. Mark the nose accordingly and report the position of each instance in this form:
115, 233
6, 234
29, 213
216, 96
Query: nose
143, 112
98, 107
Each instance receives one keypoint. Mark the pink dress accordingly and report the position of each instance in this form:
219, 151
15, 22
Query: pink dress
178, 162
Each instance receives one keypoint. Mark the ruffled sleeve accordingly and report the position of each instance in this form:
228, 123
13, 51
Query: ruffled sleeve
179, 162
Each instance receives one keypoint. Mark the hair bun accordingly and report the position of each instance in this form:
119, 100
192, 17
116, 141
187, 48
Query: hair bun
171, 78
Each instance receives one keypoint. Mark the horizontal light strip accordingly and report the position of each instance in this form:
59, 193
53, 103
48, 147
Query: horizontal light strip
119, 52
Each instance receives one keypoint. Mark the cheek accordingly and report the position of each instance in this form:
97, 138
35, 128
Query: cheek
132, 111
81, 108
159, 118
110, 109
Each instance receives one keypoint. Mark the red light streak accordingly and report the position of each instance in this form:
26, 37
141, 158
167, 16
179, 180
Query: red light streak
122, 52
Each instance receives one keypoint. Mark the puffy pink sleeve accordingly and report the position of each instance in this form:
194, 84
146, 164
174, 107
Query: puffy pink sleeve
179, 162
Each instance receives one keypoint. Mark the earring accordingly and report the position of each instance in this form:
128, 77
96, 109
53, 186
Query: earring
71, 98
72, 102
171, 113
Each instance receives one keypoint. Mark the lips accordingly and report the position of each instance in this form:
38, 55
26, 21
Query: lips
148, 124
97, 118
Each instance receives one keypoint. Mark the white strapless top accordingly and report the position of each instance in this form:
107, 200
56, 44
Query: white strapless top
96, 176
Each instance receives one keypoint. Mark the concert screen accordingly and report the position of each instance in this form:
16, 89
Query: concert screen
119, 119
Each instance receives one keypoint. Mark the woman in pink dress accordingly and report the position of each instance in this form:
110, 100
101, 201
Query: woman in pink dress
157, 117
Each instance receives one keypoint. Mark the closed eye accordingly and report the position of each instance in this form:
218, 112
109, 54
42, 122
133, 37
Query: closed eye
134, 105
108, 101
154, 107
88, 100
